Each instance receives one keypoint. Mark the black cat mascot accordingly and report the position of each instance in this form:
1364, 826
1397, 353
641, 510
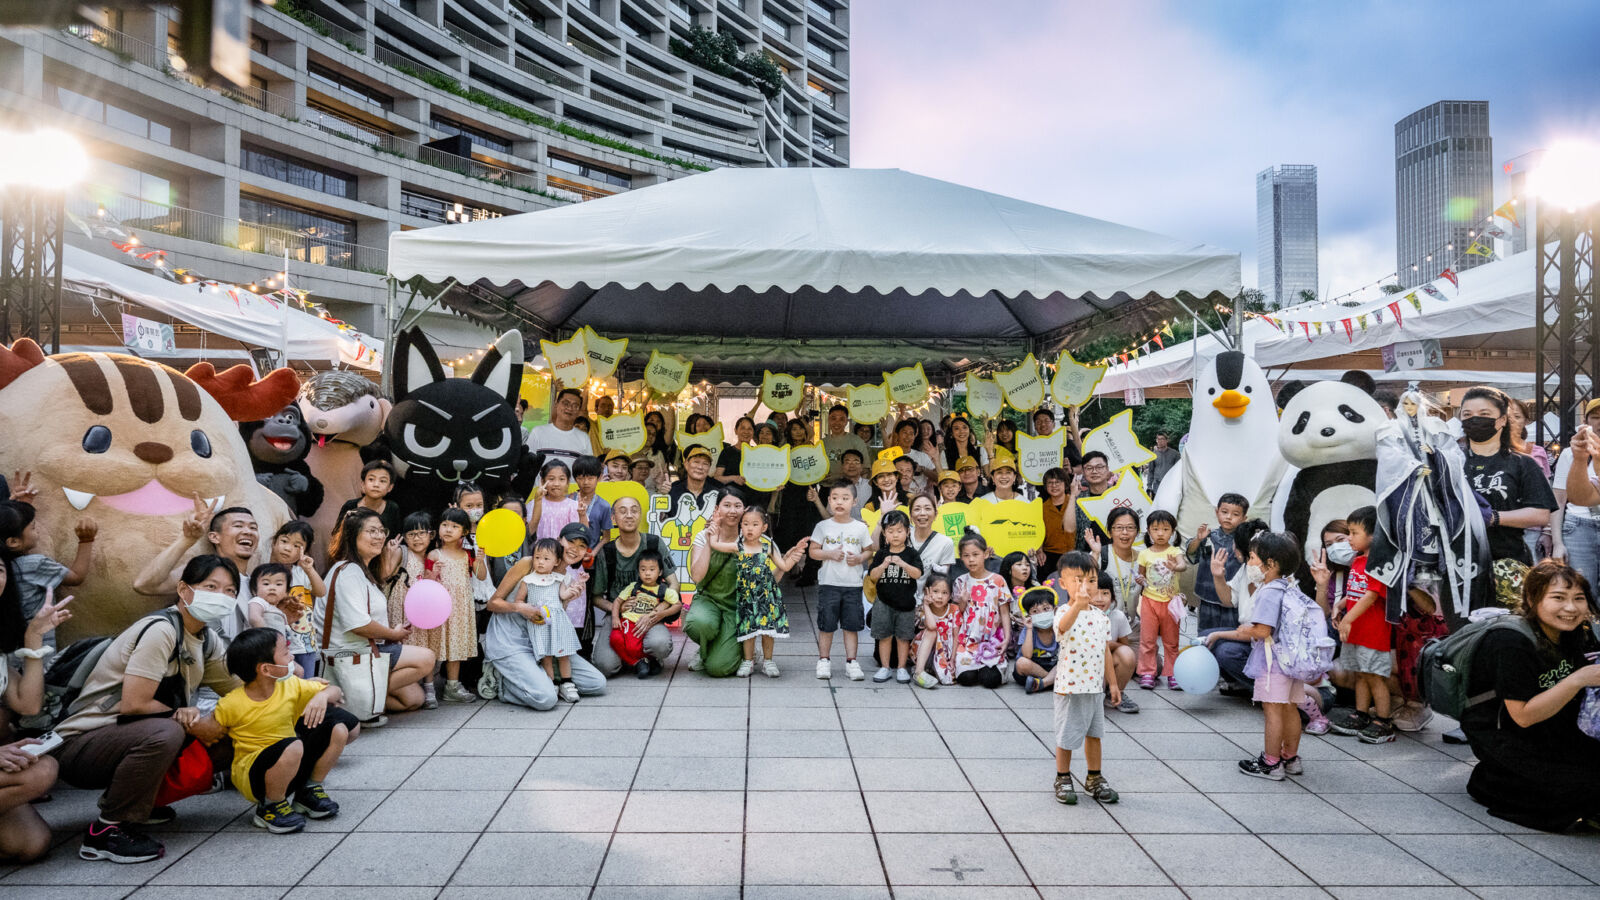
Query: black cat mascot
278, 446
445, 431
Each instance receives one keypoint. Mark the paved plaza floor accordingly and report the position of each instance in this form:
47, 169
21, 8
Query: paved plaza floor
685, 786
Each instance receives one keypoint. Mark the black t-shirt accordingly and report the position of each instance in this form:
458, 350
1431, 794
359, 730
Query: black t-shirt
1508, 481
390, 517
1515, 668
681, 487
728, 460
895, 587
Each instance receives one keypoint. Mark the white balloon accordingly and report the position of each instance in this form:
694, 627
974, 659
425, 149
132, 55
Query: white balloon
1196, 670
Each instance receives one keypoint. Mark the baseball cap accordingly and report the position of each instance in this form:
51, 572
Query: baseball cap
1002, 460
574, 531
883, 467
966, 462
615, 454
1591, 406
948, 475
697, 450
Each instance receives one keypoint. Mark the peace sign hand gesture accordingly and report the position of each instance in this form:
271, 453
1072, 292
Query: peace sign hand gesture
22, 487
50, 615
195, 524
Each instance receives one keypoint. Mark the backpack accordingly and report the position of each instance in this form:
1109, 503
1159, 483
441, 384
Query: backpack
67, 673
1444, 666
647, 541
1300, 646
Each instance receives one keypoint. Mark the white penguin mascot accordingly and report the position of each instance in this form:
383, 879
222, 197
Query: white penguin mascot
1232, 446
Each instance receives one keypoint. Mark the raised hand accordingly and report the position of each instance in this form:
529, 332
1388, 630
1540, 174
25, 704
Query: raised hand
195, 524
1202, 532
1092, 541
1318, 564
50, 615
22, 487
86, 529
1219, 564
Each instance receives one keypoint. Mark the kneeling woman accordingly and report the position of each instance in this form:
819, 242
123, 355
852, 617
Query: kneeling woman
530, 638
1535, 767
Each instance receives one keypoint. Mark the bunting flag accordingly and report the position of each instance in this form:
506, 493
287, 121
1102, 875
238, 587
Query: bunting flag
1433, 292
1319, 328
1508, 211
1416, 302
1361, 321
1159, 342
1377, 315
1307, 327
1478, 249
1395, 309
1123, 357
1347, 332
1495, 231
1166, 329
1450, 276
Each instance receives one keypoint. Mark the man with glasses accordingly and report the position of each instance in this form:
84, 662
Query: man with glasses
560, 438
840, 438
1096, 481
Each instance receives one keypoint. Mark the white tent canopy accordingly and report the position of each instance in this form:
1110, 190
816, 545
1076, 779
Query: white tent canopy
796, 263
246, 317
1494, 300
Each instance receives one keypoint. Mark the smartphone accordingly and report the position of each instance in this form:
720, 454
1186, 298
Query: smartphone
47, 742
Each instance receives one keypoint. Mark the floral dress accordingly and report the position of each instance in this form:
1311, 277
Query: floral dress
980, 639
943, 657
409, 573
757, 598
457, 639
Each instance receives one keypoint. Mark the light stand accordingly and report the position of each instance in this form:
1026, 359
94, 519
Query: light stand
31, 241
1566, 329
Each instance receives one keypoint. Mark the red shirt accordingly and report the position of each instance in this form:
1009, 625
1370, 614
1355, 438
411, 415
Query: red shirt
1371, 630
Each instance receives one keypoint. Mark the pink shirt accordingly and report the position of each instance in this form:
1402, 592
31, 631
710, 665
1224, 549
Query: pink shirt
555, 515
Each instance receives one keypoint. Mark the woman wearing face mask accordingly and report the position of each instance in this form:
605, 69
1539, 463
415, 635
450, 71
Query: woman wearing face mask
1516, 491
137, 710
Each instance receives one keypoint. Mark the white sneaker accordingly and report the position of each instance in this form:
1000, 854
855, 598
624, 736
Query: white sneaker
901, 676
695, 665
488, 682
745, 668
770, 669
824, 668
878, 677
568, 692
852, 670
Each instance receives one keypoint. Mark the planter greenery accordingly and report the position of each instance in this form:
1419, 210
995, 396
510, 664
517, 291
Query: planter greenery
719, 53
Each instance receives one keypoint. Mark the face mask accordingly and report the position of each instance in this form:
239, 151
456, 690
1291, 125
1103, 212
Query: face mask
1341, 554
1043, 620
1255, 574
288, 671
474, 514
1479, 428
210, 606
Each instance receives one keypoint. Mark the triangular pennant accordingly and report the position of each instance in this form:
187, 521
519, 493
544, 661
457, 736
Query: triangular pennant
1159, 342
1435, 293
1307, 327
1166, 329
1508, 211
1377, 316
1416, 302
1495, 231
1347, 332
1318, 326
1450, 276
1361, 321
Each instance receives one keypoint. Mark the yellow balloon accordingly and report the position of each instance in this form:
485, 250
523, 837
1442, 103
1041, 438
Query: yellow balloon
501, 532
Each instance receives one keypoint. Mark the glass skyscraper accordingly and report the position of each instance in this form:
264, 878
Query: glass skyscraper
1443, 187
1286, 233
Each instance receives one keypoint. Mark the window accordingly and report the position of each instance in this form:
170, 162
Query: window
118, 118
131, 182
339, 84
258, 44
826, 141
820, 53
821, 93
820, 10
438, 209
275, 228
775, 25
478, 136
682, 10
282, 168
634, 26
589, 170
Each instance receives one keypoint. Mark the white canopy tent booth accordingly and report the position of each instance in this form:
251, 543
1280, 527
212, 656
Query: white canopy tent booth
834, 274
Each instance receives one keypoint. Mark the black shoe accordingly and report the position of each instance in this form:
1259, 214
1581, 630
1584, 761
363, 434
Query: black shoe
1349, 724
119, 844
655, 665
160, 815
641, 669
313, 800
1455, 736
278, 818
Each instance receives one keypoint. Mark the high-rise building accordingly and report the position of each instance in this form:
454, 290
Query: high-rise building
1443, 187
364, 118
1286, 233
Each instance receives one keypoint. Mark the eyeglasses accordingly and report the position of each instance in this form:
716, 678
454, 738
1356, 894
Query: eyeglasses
1123, 529
375, 532
1097, 467
413, 534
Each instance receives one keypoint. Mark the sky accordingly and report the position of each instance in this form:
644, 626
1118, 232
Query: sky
1159, 114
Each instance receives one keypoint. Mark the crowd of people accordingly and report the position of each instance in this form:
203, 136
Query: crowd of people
246, 680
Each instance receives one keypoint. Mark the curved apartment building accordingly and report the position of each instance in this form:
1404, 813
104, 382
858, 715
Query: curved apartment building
368, 116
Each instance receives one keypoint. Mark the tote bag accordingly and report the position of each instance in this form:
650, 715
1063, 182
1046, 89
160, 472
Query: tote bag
363, 677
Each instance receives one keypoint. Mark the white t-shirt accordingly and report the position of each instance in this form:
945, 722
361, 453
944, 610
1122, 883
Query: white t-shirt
1081, 663
922, 460
938, 555
1119, 623
851, 537
1559, 482
563, 445
1242, 599
357, 603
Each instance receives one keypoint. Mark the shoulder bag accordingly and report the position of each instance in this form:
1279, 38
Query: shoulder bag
363, 677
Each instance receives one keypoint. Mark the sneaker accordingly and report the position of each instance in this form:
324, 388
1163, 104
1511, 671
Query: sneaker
314, 802
852, 670
1319, 725
160, 815
1381, 731
568, 692
770, 669
901, 676
456, 692
1259, 768
430, 699
1100, 789
1172, 684
119, 844
375, 722
1030, 684
278, 818
824, 668
1454, 736
1293, 766
1413, 716
1148, 682
641, 669
695, 665
879, 677
1349, 723
489, 681
1065, 793
655, 665
745, 668
1127, 706
926, 681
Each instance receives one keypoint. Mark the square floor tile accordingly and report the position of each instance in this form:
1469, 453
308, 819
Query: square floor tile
422, 811
993, 721
793, 859
668, 859
559, 811
573, 773
591, 717
688, 773
818, 811
509, 715
813, 744
1102, 859
683, 811
702, 697
245, 859
714, 718
900, 720
1361, 859
1037, 812
1352, 776
1188, 745
972, 859
1472, 859
911, 775
512, 859
1406, 814
897, 744
928, 812
723, 744
402, 742
1580, 853
1288, 814
793, 718
467, 773
590, 743
1222, 860
1182, 813
495, 742
781, 774
1009, 745
379, 858
375, 773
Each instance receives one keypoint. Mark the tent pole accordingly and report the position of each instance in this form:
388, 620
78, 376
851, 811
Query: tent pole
1221, 338
386, 374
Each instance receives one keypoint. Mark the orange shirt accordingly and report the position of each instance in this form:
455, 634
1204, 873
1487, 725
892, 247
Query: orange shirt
1057, 539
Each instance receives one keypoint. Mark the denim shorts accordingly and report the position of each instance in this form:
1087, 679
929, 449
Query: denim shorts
839, 607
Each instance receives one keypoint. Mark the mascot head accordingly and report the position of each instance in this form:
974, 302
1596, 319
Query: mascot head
1330, 422
343, 406
455, 429
280, 439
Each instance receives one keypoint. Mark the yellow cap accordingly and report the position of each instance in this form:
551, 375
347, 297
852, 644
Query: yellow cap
698, 450
948, 475
883, 467
615, 454
966, 462
1591, 406
1002, 459
891, 453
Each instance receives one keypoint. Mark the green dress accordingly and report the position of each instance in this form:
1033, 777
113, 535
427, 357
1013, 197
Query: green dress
713, 616
760, 602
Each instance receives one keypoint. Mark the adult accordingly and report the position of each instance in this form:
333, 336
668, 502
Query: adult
24, 777
231, 533
866, 434
927, 438
1119, 559
696, 481
615, 567
658, 448
1007, 484
1521, 414
1004, 434
1535, 767
361, 611
1060, 507
1044, 425
560, 438
839, 439
937, 551
1510, 483
136, 711
1576, 530
959, 443
732, 455
509, 643
1166, 459
604, 406
1096, 481
970, 477
799, 509
713, 622
905, 437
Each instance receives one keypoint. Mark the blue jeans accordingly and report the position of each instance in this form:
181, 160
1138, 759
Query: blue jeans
1231, 656
1582, 540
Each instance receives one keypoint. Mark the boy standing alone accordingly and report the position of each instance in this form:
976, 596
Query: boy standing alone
840, 543
1083, 634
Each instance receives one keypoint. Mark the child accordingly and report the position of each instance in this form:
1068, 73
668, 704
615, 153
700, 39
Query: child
377, 480
35, 573
553, 509
639, 599
758, 601
1159, 565
1231, 510
594, 513
470, 500
949, 487
1123, 657
552, 634
289, 546
1036, 657
286, 738
937, 646
984, 627
616, 463
1017, 570
271, 606
897, 566
1367, 639
406, 556
839, 543
1084, 633
455, 567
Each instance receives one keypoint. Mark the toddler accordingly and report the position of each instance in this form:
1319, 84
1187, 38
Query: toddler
644, 597
1037, 653
34, 573
758, 602
290, 546
272, 606
455, 567
1084, 633
840, 543
1159, 566
984, 626
1231, 512
936, 650
897, 566
546, 592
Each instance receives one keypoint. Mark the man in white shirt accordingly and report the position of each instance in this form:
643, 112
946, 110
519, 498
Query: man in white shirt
905, 437
560, 438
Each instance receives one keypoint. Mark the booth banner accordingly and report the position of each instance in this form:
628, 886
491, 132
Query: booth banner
710, 439
146, 335
612, 491
623, 432
1010, 526
1403, 356
569, 360
872, 516
764, 468
782, 393
677, 527
1038, 455
869, 403
1128, 492
1074, 382
808, 463
908, 385
604, 355
666, 374
952, 520
1023, 387
1116, 440
983, 397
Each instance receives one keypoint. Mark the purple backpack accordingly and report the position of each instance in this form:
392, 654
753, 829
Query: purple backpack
1299, 647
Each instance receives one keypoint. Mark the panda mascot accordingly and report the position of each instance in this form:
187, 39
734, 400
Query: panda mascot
1328, 433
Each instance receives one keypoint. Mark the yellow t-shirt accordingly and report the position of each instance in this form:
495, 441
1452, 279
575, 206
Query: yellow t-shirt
1160, 580
636, 601
255, 726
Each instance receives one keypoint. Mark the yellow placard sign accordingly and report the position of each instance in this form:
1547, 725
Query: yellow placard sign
623, 432
763, 467
604, 355
1038, 455
908, 385
1074, 382
871, 516
710, 438
951, 519
1010, 526
782, 393
984, 400
612, 491
1117, 441
569, 360
869, 403
808, 463
1128, 492
666, 374
1023, 386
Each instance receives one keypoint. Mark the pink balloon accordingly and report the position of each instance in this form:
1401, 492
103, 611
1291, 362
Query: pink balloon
427, 604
